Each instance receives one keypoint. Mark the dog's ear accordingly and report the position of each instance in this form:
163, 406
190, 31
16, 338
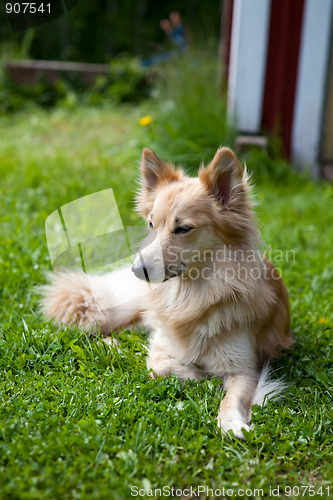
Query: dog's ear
155, 171
224, 177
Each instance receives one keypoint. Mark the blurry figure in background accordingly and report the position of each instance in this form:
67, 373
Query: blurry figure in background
174, 29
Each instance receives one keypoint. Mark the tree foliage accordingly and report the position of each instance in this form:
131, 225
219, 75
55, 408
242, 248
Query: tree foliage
97, 30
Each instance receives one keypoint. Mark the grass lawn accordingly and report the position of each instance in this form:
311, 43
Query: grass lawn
80, 421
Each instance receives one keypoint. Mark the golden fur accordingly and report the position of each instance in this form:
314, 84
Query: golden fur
215, 305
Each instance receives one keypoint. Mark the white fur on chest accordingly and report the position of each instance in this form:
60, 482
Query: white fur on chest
218, 353
229, 354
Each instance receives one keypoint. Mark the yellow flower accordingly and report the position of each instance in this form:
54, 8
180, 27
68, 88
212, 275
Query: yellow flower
322, 321
145, 120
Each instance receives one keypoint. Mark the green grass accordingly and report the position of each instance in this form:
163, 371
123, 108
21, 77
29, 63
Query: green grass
190, 116
80, 421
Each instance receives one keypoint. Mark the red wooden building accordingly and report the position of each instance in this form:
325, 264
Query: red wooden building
278, 60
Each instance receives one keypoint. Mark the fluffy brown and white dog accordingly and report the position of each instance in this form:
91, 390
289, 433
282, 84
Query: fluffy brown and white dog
214, 304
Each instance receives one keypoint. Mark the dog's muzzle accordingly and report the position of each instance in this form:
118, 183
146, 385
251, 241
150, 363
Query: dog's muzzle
143, 272
172, 271
140, 271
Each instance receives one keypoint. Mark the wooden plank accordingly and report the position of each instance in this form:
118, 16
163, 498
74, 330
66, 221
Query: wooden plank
311, 83
250, 23
225, 40
281, 69
326, 150
28, 72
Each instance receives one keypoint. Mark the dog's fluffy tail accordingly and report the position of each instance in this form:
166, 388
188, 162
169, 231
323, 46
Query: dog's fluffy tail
101, 303
267, 387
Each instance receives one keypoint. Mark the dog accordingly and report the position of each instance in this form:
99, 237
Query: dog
215, 305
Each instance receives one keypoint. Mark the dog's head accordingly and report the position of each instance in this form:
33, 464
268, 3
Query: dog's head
189, 217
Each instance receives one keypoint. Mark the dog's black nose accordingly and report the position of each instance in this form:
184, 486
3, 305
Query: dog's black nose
140, 271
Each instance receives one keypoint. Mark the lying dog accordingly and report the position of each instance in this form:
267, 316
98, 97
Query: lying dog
215, 305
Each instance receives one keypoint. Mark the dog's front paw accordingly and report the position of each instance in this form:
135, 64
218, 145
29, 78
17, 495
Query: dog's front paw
236, 425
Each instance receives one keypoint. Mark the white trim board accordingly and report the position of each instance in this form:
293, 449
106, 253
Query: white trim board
247, 67
311, 83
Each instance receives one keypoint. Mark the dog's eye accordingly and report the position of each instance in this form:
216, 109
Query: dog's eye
150, 224
183, 229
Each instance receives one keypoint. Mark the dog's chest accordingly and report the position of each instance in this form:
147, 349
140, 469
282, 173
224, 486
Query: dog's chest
209, 345
227, 352
210, 327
